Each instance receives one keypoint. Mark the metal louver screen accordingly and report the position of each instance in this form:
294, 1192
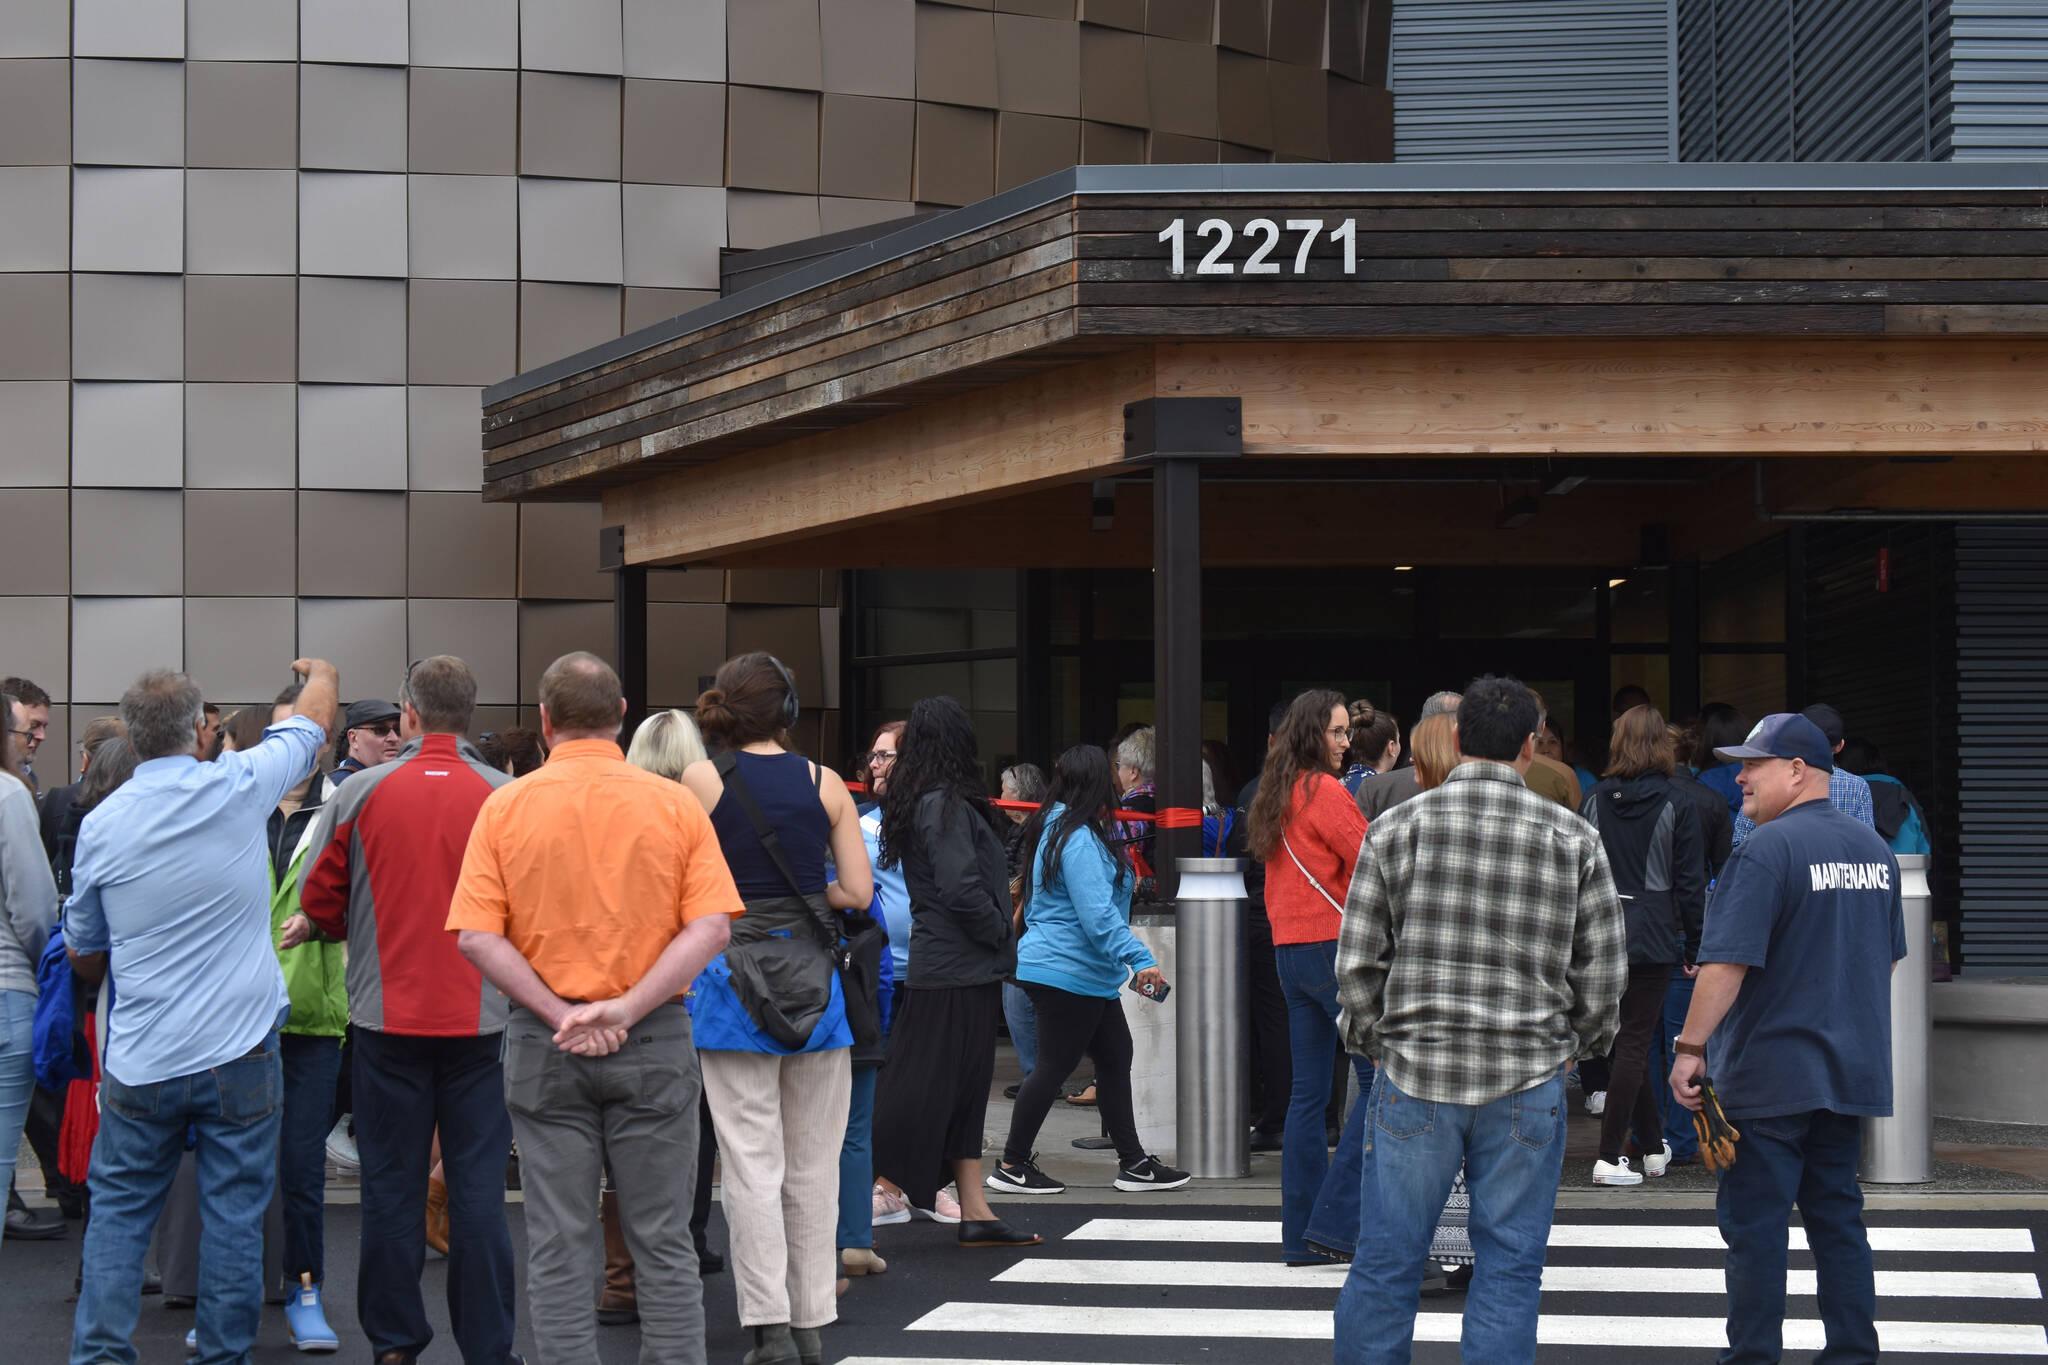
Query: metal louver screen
1996, 79
2002, 751
1531, 80
1810, 80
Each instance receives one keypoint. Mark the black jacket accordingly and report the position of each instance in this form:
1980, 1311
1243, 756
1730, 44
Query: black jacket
1717, 827
959, 898
1653, 845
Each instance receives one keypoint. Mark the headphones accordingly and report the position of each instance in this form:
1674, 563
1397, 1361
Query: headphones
791, 709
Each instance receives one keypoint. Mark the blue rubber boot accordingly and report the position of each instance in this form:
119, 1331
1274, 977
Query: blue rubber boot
306, 1318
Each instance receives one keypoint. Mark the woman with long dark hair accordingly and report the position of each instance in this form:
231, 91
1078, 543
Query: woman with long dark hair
1077, 952
1307, 830
932, 1099
1721, 727
1652, 837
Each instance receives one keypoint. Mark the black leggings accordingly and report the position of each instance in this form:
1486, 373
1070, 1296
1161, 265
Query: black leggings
1632, 1090
1068, 1026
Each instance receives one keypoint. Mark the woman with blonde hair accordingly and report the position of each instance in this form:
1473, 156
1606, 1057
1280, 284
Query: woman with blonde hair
1435, 745
666, 743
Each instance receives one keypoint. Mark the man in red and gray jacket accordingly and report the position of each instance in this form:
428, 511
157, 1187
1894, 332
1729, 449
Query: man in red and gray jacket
382, 869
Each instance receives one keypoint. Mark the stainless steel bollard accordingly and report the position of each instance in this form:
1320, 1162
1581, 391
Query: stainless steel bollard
1213, 1106
1900, 1150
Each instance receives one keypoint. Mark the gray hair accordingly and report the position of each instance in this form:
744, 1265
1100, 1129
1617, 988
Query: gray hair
1137, 751
162, 712
443, 690
1028, 779
666, 743
1438, 704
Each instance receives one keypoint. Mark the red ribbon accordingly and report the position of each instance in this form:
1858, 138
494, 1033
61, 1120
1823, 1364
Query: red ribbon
1173, 817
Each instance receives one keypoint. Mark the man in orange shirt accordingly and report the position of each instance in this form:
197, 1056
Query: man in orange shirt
593, 893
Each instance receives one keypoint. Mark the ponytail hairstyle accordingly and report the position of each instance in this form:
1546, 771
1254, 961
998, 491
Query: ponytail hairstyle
1296, 756
749, 700
939, 754
1082, 785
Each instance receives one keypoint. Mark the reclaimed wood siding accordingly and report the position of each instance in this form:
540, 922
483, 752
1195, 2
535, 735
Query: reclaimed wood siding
1083, 278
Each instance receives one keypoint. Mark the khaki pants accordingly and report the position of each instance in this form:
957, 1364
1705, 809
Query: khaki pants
781, 1122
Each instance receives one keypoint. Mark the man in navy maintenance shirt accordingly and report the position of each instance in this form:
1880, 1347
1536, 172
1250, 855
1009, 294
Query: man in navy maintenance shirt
170, 895
1791, 1016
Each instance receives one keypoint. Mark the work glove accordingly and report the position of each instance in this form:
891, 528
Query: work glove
1717, 1136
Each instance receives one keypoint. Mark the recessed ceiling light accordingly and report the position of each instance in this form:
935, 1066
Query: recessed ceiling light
1616, 582
1403, 568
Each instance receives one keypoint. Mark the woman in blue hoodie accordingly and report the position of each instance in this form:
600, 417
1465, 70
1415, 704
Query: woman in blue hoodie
1076, 954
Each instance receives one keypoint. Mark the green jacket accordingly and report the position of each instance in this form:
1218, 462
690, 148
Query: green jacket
315, 972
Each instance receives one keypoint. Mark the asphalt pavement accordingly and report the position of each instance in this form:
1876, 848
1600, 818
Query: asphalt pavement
1184, 1282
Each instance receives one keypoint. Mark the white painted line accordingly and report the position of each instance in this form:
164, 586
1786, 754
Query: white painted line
1650, 1236
1801, 1334
1574, 1279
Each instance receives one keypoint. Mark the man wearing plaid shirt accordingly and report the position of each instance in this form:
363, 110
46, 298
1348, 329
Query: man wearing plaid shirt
1483, 951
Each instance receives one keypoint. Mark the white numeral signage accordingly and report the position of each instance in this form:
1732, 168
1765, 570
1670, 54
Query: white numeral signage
1263, 237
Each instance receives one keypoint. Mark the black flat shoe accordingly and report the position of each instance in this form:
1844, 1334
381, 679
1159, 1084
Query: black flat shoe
996, 1233
1265, 1142
709, 1262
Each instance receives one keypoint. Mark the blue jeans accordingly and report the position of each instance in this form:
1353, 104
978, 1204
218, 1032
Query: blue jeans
311, 1066
1318, 1197
1512, 1150
235, 1109
857, 1161
1023, 1024
17, 1074
1678, 1130
1809, 1159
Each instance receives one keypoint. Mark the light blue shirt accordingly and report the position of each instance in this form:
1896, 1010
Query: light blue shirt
1077, 935
1847, 793
172, 876
892, 895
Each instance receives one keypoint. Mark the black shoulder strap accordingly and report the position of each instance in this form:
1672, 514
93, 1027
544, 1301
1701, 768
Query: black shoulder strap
727, 765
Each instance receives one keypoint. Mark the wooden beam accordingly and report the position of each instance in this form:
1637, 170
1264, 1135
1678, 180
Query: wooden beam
1051, 428
1747, 397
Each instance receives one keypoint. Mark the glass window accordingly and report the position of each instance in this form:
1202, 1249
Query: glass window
923, 612
1651, 672
1516, 603
1742, 597
1753, 684
1639, 608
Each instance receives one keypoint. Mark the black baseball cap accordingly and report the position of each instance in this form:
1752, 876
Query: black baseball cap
368, 713
1784, 735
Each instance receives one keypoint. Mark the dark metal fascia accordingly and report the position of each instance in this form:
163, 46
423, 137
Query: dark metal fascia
1506, 177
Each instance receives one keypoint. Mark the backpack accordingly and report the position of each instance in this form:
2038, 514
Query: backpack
60, 1052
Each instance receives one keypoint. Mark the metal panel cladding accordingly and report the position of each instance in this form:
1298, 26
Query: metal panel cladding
1997, 71
1532, 80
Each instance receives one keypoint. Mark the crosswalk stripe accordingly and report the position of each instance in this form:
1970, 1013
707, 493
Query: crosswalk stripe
1646, 1236
1578, 1279
1801, 1334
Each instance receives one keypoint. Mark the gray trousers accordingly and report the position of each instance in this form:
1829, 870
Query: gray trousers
177, 1237
638, 1108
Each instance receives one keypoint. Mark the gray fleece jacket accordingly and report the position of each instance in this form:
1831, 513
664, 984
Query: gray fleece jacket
28, 894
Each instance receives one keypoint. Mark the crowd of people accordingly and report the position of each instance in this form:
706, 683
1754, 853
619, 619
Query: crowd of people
308, 931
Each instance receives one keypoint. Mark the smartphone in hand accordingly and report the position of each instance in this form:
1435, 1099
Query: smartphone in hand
1155, 994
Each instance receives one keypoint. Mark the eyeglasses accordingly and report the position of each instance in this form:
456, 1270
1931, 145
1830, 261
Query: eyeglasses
383, 729
1339, 732
877, 758
31, 734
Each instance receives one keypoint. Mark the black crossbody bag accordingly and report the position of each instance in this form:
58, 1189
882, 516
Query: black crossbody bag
852, 942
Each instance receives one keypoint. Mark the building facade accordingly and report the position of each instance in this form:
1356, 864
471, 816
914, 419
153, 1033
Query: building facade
259, 257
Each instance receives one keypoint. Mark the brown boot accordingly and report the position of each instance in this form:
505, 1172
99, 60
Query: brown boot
619, 1304
437, 1214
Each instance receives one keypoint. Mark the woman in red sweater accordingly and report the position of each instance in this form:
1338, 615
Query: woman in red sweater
1307, 830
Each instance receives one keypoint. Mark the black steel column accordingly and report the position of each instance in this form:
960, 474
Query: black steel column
1683, 625
1034, 667
629, 622
1176, 435
1177, 657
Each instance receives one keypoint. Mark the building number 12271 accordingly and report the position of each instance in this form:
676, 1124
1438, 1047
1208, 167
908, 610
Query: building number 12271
1268, 256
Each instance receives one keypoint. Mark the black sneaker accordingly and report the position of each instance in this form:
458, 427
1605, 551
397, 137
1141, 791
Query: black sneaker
1150, 1173
1024, 1178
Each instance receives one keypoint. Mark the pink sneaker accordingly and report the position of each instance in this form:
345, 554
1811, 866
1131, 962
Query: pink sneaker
945, 1208
890, 1207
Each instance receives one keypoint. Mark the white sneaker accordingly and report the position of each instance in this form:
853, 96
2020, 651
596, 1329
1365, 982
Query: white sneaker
1615, 1172
341, 1148
1596, 1101
1656, 1164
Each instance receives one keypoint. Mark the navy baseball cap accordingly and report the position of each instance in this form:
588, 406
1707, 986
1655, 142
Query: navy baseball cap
1784, 735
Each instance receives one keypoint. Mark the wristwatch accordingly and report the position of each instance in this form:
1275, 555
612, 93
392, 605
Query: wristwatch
1685, 1049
